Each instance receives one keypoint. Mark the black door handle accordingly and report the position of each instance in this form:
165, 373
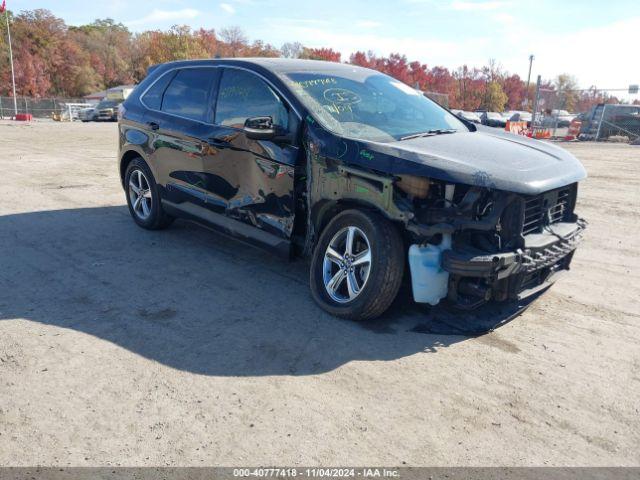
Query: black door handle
153, 125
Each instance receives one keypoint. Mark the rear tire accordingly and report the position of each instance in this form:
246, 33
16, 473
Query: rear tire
342, 282
143, 197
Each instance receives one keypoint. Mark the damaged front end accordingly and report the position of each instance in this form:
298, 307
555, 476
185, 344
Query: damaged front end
493, 245
471, 239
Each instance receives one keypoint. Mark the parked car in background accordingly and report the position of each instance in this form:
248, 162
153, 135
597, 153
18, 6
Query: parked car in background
87, 114
493, 119
106, 111
471, 117
562, 118
468, 116
305, 158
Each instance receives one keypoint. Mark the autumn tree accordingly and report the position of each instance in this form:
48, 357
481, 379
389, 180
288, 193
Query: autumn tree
515, 89
361, 59
492, 71
419, 75
327, 54
108, 45
235, 41
260, 49
471, 87
441, 80
53, 59
178, 43
566, 87
38, 44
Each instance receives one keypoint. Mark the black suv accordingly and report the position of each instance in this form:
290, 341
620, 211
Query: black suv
354, 169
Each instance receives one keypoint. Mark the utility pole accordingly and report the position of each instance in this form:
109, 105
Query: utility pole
535, 103
531, 57
13, 75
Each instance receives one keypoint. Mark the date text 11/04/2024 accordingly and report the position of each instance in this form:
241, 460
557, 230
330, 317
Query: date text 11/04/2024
316, 472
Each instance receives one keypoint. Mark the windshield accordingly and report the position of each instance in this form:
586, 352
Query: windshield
369, 107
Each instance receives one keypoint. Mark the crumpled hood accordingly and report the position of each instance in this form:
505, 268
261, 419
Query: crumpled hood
490, 158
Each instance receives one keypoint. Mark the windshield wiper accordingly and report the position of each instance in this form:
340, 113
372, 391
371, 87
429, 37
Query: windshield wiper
430, 133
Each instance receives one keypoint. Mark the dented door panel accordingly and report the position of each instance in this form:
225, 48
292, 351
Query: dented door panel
251, 181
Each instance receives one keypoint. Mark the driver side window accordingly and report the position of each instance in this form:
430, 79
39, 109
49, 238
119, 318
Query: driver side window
244, 95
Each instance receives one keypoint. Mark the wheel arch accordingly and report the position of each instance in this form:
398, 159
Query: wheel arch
324, 210
383, 282
126, 158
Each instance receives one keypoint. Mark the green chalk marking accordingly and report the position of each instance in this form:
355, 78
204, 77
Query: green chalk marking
366, 154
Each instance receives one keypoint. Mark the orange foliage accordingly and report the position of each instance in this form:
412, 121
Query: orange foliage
52, 58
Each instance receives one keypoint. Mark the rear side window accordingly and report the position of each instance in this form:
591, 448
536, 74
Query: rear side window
153, 97
188, 93
244, 95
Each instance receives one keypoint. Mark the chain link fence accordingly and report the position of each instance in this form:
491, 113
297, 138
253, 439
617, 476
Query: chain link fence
612, 122
42, 107
551, 115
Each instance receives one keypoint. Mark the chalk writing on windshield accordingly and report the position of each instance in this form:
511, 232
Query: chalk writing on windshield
338, 108
317, 82
341, 96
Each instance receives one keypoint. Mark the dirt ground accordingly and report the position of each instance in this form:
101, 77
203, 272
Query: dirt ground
120, 346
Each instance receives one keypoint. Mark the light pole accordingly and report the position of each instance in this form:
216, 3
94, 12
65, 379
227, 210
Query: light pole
531, 57
3, 7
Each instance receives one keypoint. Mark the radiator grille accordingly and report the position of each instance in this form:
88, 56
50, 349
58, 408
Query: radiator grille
547, 208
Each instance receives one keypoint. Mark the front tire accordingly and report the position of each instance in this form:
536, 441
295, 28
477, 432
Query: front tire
143, 197
357, 265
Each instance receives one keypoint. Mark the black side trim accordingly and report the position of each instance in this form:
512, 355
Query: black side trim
223, 224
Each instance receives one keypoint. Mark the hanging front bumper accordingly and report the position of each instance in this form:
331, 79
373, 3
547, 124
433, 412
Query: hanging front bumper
476, 277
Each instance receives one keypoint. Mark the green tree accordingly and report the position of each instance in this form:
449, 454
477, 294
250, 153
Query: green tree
494, 98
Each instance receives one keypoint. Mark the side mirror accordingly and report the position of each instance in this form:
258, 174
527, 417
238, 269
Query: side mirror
260, 128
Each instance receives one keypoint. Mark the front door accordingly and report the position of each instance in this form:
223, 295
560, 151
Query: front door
251, 180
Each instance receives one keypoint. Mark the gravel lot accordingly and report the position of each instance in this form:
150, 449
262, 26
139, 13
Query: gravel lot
120, 346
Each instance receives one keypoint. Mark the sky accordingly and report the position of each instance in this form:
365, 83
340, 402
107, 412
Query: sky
596, 41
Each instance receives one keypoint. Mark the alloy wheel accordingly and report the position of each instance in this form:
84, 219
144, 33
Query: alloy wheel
140, 194
347, 264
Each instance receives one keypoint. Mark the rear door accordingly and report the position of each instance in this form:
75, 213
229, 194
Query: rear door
178, 118
252, 180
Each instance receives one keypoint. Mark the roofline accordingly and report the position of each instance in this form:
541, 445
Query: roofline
266, 63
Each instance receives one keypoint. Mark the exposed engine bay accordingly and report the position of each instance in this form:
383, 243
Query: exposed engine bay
503, 246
